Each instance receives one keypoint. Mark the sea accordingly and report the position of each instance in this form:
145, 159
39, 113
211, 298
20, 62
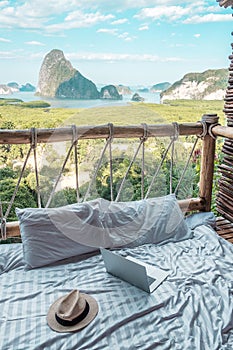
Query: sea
67, 103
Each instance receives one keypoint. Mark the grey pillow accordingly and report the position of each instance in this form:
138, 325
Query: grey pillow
198, 219
53, 234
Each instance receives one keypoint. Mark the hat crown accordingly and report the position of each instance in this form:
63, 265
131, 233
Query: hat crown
72, 312
71, 306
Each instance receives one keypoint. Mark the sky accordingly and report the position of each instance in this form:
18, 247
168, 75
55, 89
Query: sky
129, 42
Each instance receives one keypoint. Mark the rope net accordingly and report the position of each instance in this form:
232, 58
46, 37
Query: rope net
117, 169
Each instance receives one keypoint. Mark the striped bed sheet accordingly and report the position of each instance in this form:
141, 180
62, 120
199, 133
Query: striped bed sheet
192, 309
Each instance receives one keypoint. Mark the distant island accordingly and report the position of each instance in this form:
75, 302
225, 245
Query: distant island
10, 88
208, 85
59, 79
160, 87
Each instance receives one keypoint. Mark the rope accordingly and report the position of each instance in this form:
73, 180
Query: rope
210, 130
159, 167
144, 138
204, 129
208, 118
186, 166
3, 223
75, 144
111, 132
34, 147
176, 131
128, 169
171, 167
60, 173
108, 141
174, 138
18, 183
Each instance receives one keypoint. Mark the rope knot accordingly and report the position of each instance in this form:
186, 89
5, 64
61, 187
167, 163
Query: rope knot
176, 131
145, 132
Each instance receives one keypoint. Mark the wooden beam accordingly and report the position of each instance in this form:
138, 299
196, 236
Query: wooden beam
192, 204
12, 229
96, 132
224, 131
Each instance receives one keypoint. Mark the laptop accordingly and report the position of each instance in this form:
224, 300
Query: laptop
134, 271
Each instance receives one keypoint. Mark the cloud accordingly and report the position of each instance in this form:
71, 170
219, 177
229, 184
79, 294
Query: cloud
145, 27
208, 18
88, 17
79, 19
4, 40
51, 16
15, 17
111, 57
120, 21
4, 3
187, 12
7, 55
108, 31
125, 35
197, 35
35, 43
56, 16
163, 12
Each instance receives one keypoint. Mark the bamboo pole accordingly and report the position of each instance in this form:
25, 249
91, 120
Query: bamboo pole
224, 131
96, 132
207, 162
191, 204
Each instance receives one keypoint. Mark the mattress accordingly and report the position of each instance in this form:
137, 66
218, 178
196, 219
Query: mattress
191, 309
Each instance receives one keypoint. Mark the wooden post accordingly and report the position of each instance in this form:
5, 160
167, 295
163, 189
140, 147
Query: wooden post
207, 161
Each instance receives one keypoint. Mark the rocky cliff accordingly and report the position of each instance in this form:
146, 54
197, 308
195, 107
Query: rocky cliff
7, 90
137, 98
110, 92
209, 85
123, 90
57, 78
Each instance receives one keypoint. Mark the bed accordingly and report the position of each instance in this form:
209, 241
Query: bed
191, 309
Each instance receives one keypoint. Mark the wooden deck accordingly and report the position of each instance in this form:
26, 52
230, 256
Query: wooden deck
224, 228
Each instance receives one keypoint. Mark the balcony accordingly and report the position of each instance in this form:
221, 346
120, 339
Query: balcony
120, 163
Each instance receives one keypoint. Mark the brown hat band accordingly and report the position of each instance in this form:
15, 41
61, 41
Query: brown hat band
76, 320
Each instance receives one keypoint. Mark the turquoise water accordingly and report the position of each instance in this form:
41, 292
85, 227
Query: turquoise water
66, 103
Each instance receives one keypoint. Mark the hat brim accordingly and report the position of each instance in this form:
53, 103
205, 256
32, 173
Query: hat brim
53, 324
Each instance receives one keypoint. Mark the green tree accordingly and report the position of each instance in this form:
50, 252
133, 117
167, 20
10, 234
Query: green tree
64, 197
24, 197
7, 173
9, 152
132, 187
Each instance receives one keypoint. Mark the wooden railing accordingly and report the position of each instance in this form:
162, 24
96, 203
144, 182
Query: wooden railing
207, 130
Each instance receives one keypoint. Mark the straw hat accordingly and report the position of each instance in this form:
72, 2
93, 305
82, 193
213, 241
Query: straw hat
72, 312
